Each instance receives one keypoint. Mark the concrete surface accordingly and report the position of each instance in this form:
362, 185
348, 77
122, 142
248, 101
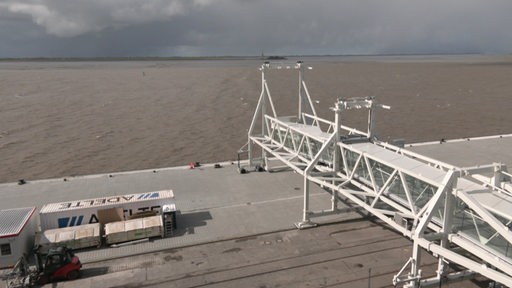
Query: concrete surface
354, 253
237, 230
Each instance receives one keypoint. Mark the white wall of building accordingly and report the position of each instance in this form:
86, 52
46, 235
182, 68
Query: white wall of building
12, 248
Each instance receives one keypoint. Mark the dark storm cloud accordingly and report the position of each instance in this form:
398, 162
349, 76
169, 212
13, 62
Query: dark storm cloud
30, 28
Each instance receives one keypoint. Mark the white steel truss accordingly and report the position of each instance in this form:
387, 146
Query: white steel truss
428, 201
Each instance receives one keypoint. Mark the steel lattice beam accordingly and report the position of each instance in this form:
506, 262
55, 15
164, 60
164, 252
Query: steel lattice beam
393, 189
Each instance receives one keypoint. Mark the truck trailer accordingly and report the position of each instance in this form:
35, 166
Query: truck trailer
82, 212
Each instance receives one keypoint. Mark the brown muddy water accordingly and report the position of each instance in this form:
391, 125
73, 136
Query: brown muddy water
62, 119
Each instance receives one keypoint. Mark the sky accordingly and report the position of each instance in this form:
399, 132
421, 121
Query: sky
166, 28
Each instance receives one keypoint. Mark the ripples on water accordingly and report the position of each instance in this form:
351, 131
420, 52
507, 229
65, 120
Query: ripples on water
74, 118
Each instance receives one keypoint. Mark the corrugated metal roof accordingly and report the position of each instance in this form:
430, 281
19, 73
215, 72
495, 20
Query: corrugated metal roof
12, 221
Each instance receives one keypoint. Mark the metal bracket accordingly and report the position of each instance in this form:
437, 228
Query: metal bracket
305, 225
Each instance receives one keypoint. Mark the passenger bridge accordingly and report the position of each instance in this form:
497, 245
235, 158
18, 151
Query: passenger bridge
461, 215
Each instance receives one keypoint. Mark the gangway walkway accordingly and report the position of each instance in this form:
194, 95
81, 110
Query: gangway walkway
456, 213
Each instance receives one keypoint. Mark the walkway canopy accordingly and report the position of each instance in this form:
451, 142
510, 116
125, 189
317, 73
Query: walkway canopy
447, 210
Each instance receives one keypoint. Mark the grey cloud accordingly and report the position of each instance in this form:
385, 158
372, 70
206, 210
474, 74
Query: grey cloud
76, 17
244, 27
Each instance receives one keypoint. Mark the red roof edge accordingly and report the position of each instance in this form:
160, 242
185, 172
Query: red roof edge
22, 227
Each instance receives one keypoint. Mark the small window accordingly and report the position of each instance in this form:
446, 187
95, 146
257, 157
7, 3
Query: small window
5, 249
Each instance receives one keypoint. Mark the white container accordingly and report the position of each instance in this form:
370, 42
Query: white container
72, 237
81, 212
134, 229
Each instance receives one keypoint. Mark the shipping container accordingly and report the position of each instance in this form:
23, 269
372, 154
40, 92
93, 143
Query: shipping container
134, 229
75, 237
82, 212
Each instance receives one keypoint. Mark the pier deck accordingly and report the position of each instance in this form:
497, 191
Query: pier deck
220, 208
214, 203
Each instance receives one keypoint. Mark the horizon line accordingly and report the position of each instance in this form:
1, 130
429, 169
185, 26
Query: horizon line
224, 57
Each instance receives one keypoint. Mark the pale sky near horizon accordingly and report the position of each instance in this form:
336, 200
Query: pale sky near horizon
122, 28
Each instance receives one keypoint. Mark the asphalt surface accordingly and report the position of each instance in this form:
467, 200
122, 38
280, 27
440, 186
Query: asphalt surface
352, 253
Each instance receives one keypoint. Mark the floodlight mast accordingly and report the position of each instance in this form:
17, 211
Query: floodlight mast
260, 111
305, 102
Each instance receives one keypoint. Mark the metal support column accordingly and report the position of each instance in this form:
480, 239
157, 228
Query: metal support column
336, 152
371, 118
442, 267
306, 222
415, 273
301, 91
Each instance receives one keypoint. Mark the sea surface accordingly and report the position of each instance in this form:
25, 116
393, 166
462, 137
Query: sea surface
65, 118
